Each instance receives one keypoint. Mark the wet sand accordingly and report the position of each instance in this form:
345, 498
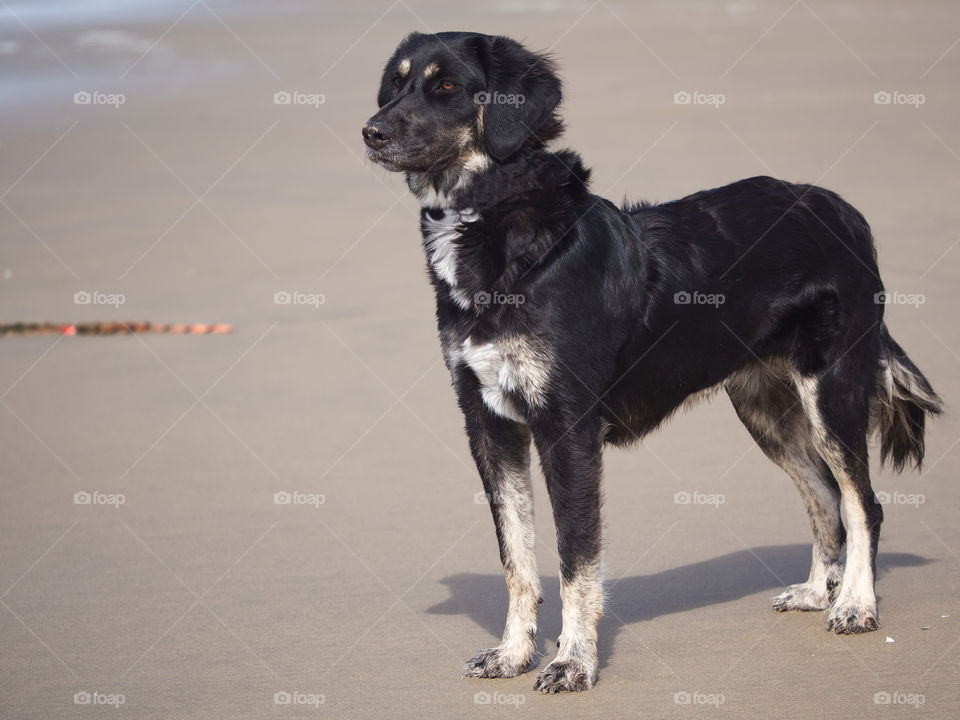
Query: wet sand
198, 199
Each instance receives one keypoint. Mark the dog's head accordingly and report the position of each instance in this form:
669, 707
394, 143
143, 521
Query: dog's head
448, 98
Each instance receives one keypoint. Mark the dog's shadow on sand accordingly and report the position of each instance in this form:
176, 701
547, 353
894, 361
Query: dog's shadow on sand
645, 597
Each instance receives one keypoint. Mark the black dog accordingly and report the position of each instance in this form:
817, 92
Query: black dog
574, 323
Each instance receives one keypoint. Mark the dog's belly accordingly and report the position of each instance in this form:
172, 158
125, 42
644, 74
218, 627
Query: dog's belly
514, 374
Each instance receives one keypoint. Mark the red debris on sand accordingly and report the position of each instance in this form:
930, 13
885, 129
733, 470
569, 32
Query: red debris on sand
114, 328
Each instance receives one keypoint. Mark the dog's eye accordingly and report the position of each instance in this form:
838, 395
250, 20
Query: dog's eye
448, 86
396, 81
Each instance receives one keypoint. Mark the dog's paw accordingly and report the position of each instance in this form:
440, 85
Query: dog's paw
496, 663
848, 618
566, 676
802, 596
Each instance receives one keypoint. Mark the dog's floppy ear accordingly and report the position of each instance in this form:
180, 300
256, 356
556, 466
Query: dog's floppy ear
522, 92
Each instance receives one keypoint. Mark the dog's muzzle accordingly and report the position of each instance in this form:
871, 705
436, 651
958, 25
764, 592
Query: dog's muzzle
377, 134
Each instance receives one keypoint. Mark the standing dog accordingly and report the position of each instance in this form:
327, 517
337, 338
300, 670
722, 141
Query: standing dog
573, 323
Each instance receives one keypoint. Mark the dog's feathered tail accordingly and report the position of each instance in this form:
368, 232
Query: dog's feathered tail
903, 400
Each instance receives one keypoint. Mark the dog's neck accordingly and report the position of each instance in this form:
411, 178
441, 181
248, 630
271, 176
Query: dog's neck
443, 190
486, 223
479, 183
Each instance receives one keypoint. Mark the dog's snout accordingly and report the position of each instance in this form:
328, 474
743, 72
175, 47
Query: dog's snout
376, 135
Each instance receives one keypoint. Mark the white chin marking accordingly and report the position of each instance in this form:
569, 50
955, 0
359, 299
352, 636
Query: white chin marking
476, 162
431, 197
440, 191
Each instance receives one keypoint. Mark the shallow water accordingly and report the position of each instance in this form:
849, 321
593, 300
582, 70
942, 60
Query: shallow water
38, 13
50, 49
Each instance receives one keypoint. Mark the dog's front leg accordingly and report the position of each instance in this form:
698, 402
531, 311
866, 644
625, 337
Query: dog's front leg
501, 449
571, 459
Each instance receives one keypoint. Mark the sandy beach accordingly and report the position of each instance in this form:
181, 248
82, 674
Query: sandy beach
284, 521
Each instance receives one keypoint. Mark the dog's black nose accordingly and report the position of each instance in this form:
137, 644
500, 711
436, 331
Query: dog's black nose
377, 135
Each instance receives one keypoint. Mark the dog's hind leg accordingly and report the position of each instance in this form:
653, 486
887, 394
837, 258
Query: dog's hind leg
771, 409
501, 450
837, 404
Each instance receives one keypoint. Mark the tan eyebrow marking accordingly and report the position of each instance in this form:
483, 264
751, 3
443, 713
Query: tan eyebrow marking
404, 67
431, 70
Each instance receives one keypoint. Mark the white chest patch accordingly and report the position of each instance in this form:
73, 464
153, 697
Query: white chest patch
440, 239
509, 365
